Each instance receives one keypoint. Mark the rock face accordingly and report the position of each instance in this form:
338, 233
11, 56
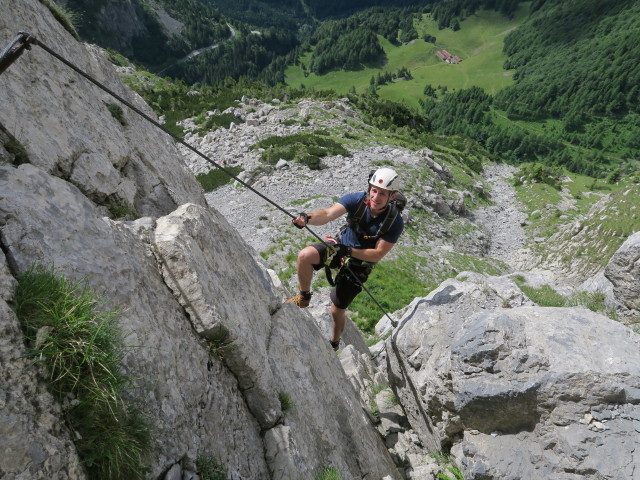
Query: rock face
623, 271
520, 392
179, 279
203, 405
65, 124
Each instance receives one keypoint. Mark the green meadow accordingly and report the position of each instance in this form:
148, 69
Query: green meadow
478, 42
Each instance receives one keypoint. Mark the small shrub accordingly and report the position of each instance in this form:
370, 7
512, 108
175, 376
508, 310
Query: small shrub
614, 177
210, 469
220, 342
537, 172
117, 113
121, 211
329, 473
216, 178
285, 401
80, 345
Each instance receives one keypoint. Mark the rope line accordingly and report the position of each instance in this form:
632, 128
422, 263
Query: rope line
24, 40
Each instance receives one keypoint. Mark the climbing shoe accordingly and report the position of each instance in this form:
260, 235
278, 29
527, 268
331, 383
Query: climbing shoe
335, 345
300, 300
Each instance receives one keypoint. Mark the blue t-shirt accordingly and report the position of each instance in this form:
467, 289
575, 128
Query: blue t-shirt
367, 224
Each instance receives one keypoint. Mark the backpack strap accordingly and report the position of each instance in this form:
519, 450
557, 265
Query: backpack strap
392, 213
354, 220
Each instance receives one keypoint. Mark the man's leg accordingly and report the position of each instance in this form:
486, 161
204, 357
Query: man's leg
307, 258
339, 316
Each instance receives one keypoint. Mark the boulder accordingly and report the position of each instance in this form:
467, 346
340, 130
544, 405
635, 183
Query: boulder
508, 388
623, 271
206, 274
270, 345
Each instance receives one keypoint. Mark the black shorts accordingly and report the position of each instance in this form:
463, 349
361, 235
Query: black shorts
347, 287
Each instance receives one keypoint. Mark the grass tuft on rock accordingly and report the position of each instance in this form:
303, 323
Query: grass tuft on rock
78, 341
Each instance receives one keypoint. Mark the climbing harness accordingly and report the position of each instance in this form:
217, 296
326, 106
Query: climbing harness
24, 40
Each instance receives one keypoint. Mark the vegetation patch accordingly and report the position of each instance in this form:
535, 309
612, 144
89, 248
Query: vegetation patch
116, 112
220, 342
213, 122
78, 341
210, 469
120, 210
306, 148
539, 173
487, 266
455, 472
328, 473
285, 401
14, 147
394, 284
546, 296
66, 17
178, 101
216, 178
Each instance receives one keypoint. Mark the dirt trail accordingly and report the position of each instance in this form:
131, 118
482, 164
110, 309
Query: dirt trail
504, 219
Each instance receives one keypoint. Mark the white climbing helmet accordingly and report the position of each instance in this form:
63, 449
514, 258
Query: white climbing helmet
385, 178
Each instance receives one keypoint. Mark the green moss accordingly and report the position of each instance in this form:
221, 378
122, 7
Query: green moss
117, 113
216, 178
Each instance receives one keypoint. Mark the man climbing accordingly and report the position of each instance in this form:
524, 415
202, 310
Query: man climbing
374, 226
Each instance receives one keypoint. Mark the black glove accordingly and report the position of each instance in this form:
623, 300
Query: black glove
342, 251
304, 216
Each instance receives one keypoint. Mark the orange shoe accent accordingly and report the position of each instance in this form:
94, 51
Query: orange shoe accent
299, 300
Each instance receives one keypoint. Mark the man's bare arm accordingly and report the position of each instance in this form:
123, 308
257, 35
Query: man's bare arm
373, 254
323, 215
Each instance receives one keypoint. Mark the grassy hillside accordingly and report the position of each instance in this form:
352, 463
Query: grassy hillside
577, 227
479, 43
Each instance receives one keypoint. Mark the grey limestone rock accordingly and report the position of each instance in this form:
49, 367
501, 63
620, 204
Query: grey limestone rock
207, 265
515, 384
66, 126
190, 397
623, 270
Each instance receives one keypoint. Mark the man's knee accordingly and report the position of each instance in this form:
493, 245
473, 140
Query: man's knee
309, 256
